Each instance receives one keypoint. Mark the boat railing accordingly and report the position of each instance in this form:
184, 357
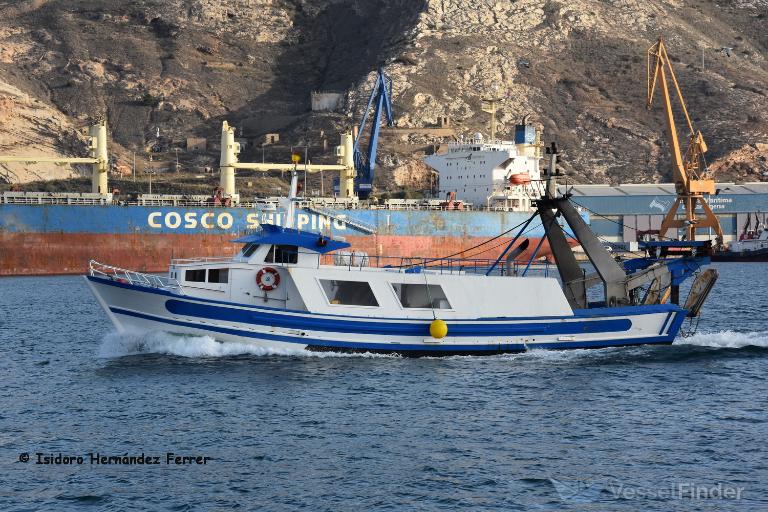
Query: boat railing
355, 260
124, 275
207, 259
68, 198
262, 204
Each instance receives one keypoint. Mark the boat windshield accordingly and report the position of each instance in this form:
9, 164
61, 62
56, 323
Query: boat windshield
249, 249
282, 254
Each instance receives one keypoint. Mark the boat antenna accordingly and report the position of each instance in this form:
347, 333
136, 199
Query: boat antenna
290, 209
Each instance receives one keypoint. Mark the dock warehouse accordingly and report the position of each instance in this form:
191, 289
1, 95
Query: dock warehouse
617, 213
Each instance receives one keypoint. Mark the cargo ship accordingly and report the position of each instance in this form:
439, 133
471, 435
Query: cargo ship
49, 238
58, 233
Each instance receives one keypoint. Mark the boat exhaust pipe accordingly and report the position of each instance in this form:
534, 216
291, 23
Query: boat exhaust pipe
514, 253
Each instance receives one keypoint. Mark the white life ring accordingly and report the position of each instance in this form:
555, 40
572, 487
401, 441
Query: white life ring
267, 279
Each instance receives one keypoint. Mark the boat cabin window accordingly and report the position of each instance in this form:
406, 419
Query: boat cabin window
419, 296
218, 275
282, 254
349, 293
195, 275
249, 249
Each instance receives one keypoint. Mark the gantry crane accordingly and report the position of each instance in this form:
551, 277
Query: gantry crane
356, 169
689, 170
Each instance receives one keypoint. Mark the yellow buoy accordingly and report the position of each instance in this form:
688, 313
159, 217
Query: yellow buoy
438, 329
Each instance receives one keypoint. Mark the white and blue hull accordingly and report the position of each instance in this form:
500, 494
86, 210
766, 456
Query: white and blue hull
136, 308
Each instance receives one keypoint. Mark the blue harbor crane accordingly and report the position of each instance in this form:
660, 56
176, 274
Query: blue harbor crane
380, 101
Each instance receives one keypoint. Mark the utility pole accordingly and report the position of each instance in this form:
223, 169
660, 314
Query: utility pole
134, 166
176, 150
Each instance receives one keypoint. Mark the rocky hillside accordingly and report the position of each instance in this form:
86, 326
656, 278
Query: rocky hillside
183, 66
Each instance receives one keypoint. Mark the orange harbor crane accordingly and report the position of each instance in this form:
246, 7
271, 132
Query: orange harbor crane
688, 171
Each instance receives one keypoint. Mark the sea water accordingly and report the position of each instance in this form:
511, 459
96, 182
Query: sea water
85, 414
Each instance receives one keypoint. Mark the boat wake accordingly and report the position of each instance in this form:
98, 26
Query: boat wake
117, 344
726, 339
715, 344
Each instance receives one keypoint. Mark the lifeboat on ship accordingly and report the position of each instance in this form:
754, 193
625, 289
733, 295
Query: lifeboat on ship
521, 178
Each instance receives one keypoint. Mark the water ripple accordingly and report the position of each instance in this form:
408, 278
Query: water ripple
309, 431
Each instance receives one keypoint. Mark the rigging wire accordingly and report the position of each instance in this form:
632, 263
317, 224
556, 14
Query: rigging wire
505, 242
424, 262
615, 221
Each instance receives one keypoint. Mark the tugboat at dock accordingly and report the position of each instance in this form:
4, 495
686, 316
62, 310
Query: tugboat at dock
751, 246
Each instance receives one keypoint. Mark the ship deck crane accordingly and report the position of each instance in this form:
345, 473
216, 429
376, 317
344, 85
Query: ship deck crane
356, 170
229, 162
380, 101
688, 170
99, 158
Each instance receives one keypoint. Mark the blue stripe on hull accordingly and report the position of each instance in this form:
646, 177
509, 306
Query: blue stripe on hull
320, 343
677, 323
418, 327
494, 350
664, 325
405, 349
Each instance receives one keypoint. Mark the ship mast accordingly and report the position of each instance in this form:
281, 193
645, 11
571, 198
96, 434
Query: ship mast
490, 105
99, 158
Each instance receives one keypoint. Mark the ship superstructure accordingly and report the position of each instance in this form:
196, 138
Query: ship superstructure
489, 173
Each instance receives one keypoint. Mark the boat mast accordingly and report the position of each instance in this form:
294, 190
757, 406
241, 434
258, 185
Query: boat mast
618, 286
289, 204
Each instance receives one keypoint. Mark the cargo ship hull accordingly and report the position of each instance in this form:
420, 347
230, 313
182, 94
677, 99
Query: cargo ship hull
61, 239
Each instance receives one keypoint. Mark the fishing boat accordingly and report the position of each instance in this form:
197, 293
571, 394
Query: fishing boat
752, 244
293, 289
